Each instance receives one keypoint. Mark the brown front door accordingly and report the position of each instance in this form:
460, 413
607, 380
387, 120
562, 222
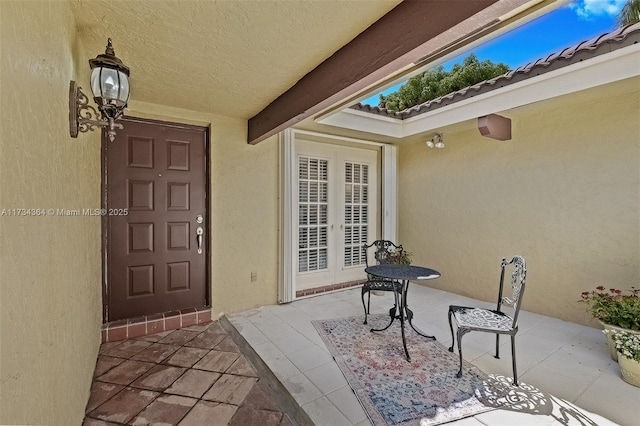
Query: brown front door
156, 218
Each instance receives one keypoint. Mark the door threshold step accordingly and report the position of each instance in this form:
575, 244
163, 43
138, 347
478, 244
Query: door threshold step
328, 288
156, 323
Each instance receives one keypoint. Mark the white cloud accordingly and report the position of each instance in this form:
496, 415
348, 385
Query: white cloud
591, 8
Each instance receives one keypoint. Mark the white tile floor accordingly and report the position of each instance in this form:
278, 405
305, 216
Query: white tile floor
566, 360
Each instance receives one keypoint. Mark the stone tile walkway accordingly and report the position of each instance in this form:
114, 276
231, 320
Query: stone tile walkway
192, 376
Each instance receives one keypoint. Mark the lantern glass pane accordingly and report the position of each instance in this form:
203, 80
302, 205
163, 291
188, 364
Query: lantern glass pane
110, 84
123, 97
95, 82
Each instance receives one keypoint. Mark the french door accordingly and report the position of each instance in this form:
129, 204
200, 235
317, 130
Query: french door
335, 209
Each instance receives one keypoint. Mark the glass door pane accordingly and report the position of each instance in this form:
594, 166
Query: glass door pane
313, 221
356, 212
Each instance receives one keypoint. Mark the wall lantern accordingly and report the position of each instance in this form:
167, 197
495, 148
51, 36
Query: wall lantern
110, 88
437, 141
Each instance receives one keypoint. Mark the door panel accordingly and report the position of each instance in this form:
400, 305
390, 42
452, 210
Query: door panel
336, 209
358, 210
157, 173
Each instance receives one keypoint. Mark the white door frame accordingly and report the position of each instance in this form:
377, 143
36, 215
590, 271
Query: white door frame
286, 143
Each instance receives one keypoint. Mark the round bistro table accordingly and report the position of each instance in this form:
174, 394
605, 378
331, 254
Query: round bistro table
400, 310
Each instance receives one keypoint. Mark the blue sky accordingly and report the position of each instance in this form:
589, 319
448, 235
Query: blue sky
564, 27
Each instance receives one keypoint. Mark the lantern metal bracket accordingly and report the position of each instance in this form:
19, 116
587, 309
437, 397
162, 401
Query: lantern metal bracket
84, 117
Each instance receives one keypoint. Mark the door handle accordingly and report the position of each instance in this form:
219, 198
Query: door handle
199, 234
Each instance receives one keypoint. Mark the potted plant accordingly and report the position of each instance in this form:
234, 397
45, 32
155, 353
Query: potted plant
628, 347
615, 311
395, 255
399, 256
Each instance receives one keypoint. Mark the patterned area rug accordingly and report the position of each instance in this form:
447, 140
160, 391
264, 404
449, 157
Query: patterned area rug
393, 391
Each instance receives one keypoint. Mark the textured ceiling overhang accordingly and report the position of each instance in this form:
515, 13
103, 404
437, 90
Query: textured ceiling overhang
228, 57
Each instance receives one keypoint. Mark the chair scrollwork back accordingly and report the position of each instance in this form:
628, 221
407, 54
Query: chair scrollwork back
384, 252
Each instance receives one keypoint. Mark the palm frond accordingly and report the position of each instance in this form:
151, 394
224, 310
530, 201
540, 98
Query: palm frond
630, 13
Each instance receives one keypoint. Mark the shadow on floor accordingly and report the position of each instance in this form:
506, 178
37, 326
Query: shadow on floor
528, 399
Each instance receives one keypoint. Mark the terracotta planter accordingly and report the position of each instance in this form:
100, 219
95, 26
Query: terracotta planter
612, 346
630, 370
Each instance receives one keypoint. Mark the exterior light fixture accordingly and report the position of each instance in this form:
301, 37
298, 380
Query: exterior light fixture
437, 141
110, 88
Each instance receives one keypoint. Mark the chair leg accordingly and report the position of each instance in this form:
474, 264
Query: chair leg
369, 302
497, 346
513, 360
364, 306
453, 339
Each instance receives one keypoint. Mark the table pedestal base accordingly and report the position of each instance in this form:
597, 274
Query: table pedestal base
403, 313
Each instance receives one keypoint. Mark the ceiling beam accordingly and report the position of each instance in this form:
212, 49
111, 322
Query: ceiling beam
386, 46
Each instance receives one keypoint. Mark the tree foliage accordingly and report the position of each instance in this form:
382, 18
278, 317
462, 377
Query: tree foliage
437, 82
630, 13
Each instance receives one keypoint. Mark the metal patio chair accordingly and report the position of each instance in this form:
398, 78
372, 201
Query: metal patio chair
385, 252
494, 321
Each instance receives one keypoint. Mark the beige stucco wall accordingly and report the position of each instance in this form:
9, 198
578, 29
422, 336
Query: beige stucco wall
50, 269
50, 290
244, 208
564, 193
